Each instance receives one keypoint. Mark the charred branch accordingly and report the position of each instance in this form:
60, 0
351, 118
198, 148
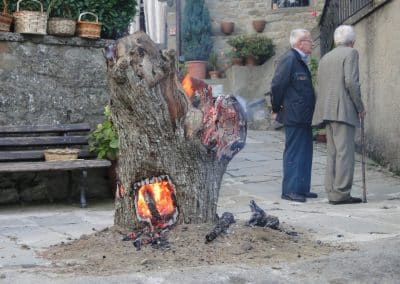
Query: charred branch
260, 219
222, 225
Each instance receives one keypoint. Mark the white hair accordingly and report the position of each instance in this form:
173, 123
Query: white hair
344, 35
296, 35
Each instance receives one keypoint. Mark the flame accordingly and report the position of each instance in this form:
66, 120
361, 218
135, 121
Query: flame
162, 194
187, 85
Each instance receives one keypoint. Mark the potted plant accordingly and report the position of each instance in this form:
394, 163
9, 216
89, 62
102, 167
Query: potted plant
196, 37
213, 63
256, 49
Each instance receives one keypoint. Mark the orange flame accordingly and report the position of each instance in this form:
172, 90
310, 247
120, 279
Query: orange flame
162, 194
187, 85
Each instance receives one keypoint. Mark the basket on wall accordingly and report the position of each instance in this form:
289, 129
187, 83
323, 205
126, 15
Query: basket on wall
30, 22
88, 29
5, 19
61, 26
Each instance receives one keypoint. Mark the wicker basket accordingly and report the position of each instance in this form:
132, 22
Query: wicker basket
5, 19
88, 29
30, 22
61, 154
61, 27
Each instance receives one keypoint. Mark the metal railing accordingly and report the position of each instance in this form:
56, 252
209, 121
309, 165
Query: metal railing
335, 13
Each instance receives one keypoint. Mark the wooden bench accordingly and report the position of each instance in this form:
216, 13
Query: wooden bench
22, 150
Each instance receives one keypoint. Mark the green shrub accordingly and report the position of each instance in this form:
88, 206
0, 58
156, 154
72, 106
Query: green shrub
261, 47
196, 31
115, 15
104, 140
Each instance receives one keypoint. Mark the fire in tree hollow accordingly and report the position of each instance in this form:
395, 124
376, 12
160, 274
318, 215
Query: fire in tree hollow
165, 131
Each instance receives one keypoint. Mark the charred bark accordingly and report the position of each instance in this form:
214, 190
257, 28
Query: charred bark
151, 114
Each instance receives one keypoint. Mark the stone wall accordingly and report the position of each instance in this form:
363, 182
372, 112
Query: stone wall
51, 80
378, 42
253, 82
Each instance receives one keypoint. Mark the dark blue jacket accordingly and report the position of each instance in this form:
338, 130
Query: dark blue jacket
293, 91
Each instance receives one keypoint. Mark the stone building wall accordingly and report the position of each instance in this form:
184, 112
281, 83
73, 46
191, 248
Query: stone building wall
51, 80
378, 41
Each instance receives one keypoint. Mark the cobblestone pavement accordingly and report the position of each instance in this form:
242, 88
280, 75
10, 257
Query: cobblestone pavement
255, 173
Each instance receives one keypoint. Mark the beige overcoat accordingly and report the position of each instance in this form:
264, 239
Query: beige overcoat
338, 96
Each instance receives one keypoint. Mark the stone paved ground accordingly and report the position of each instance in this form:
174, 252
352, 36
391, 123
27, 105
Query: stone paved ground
255, 173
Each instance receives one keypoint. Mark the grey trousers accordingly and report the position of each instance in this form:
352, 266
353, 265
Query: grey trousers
340, 161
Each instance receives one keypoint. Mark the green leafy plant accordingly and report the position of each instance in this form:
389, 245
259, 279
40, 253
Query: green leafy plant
196, 31
314, 69
213, 61
63, 8
261, 47
115, 15
104, 140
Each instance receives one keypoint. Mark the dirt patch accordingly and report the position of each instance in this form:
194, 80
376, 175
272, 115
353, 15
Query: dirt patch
104, 252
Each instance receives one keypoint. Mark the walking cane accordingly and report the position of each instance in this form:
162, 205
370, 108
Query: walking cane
363, 160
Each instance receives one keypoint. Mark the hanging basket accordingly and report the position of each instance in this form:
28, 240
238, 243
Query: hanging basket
30, 22
61, 27
88, 29
5, 19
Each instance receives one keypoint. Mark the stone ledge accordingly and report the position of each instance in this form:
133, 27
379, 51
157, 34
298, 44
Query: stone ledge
55, 40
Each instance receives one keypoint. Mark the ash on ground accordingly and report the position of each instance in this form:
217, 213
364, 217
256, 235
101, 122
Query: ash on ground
105, 253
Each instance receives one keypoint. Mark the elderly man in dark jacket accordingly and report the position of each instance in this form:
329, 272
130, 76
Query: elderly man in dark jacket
293, 101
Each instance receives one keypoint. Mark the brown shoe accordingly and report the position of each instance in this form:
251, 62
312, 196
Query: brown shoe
350, 200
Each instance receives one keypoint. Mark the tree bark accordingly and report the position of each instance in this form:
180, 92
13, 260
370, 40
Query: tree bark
153, 120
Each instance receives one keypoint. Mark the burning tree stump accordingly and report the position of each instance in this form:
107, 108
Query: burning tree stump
178, 144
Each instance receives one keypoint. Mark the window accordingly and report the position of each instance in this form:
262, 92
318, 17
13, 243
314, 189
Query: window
289, 3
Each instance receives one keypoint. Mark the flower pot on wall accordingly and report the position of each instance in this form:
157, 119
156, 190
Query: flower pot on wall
214, 74
196, 69
259, 25
251, 60
227, 27
237, 61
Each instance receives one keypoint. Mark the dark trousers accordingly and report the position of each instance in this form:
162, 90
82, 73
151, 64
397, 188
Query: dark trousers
297, 160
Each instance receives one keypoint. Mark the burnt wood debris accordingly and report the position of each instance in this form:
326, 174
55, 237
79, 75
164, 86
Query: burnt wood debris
222, 225
260, 218
165, 132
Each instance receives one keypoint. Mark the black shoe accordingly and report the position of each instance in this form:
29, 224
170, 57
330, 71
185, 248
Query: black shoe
310, 195
351, 200
293, 197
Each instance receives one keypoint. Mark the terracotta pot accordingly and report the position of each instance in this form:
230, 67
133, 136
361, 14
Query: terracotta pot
214, 74
320, 138
251, 60
237, 61
259, 25
227, 27
196, 69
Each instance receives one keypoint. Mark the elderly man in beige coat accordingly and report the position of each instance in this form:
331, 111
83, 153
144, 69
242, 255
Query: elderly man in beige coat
339, 107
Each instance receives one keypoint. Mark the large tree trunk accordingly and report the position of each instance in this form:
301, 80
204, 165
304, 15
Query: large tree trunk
156, 124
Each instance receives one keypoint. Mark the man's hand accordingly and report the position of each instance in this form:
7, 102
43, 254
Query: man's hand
362, 114
274, 115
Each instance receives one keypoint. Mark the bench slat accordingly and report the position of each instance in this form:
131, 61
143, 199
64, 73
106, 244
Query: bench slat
53, 165
77, 127
34, 155
42, 141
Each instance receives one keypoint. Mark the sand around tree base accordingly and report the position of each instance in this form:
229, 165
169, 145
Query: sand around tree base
104, 252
